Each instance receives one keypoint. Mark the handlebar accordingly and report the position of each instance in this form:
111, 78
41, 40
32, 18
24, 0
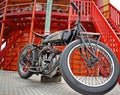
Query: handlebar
74, 6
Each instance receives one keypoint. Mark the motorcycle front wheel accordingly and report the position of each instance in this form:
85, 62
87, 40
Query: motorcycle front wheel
84, 74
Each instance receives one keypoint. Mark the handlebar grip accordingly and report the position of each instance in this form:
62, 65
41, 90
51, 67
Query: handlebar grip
74, 6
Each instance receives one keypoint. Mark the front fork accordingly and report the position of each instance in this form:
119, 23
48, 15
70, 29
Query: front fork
84, 36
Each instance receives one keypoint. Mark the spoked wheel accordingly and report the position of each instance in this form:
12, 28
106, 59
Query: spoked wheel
25, 61
87, 74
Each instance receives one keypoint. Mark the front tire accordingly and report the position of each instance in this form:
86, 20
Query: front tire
96, 79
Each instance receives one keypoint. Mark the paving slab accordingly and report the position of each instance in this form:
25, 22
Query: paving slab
12, 84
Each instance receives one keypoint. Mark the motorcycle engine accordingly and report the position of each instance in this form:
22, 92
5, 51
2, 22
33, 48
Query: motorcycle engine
48, 62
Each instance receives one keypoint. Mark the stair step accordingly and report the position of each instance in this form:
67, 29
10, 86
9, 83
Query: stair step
113, 27
118, 33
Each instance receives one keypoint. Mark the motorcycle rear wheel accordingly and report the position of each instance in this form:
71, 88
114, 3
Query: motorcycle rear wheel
96, 79
26, 60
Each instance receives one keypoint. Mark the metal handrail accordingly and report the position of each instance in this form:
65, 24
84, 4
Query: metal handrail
109, 36
112, 12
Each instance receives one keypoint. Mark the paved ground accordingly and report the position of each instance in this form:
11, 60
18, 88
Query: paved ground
12, 84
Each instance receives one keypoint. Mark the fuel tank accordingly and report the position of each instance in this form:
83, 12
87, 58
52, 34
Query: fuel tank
59, 37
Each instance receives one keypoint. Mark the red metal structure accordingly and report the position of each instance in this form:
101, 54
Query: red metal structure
18, 20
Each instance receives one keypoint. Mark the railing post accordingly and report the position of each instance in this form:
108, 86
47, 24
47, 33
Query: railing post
32, 22
3, 24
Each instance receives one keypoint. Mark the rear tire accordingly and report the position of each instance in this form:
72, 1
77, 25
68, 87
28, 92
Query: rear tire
25, 59
95, 79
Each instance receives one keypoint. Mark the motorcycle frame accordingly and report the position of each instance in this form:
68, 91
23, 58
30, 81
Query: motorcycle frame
79, 32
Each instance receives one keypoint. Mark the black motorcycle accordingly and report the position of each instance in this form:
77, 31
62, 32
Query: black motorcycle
86, 64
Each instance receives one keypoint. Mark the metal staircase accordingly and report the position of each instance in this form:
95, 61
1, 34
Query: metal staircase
109, 36
17, 26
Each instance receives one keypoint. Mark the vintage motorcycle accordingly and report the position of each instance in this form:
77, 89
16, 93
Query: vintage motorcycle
86, 64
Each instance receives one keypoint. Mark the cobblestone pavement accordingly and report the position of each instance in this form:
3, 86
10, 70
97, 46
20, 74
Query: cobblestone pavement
12, 84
